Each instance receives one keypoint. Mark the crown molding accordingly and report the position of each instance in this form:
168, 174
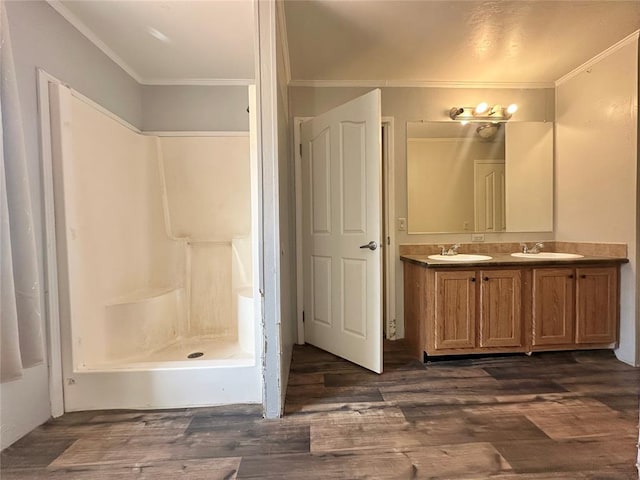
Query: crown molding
206, 82
418, 83
155, 133
602, 55
93, 38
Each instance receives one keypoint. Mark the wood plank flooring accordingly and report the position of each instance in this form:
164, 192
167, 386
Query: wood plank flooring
550, 416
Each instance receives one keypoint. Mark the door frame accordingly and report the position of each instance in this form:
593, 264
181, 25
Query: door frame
52, 312
388, 187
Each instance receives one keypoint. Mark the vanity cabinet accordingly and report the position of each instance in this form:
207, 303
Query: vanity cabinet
596, 305
474, 310
510, 308
553, 316
574, 306
500, 308
454, 316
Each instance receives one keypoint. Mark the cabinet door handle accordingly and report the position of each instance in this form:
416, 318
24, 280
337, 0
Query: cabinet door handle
486, 279
583, 276
473, 279
571, 276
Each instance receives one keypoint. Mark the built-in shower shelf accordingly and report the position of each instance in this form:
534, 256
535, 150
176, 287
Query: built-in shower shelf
142, 295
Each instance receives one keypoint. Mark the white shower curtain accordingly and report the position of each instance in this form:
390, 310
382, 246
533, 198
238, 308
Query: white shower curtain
21, 337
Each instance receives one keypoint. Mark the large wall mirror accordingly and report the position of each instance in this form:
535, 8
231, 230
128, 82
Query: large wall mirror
479, 177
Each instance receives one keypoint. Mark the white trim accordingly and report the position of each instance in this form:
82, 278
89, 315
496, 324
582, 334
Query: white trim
390, 204
274, 383
418, 83
59, 7
437, 140
206, 82
103, 110
605, 53
282, 24
297, 123
187, 133
56, 394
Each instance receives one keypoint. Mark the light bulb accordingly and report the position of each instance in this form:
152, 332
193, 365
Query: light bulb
481, 108
511, 109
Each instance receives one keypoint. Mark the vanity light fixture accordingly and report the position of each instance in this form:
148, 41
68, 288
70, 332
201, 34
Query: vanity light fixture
483, 112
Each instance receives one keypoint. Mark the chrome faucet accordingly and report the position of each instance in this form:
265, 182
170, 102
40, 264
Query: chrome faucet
452, 250
537, 248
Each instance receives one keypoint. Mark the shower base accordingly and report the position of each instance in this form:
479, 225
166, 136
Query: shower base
216, 352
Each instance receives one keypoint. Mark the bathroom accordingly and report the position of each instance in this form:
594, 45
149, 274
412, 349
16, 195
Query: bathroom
569, 104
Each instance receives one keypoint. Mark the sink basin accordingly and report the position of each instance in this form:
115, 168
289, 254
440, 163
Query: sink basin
461, 257
548, 255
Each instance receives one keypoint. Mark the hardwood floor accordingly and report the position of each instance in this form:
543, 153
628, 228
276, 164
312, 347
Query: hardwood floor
549, 416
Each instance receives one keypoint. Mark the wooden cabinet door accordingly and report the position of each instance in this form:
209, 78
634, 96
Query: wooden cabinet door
553, 306
596, 305
500, 308
455, 309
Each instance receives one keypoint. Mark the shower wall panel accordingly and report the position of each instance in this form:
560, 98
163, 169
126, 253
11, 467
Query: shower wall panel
208, 187
211, 308
111, 211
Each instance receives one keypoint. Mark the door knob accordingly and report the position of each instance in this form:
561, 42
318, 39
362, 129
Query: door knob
371, 245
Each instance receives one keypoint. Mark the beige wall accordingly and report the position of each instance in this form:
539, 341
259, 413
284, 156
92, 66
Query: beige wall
596, 167
428, 104
529, 177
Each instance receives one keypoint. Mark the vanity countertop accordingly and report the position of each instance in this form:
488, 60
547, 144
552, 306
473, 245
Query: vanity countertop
506, 260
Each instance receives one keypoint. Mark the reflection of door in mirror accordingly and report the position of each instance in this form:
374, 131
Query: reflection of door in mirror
489, 195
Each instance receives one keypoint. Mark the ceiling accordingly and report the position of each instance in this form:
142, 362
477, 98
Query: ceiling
169, 42
450, 41
403, 42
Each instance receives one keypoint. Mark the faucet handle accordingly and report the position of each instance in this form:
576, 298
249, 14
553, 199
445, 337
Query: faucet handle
443, 250
524, 247
453, 249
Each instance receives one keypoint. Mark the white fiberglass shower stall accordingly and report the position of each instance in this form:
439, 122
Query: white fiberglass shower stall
157, 262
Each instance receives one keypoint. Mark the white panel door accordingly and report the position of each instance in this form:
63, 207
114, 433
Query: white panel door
341, 194
489, 196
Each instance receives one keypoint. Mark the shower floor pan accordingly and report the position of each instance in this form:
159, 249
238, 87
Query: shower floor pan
196, 352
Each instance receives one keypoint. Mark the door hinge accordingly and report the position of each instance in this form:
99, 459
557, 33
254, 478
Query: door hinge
300, 145
388, 240
303, 316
